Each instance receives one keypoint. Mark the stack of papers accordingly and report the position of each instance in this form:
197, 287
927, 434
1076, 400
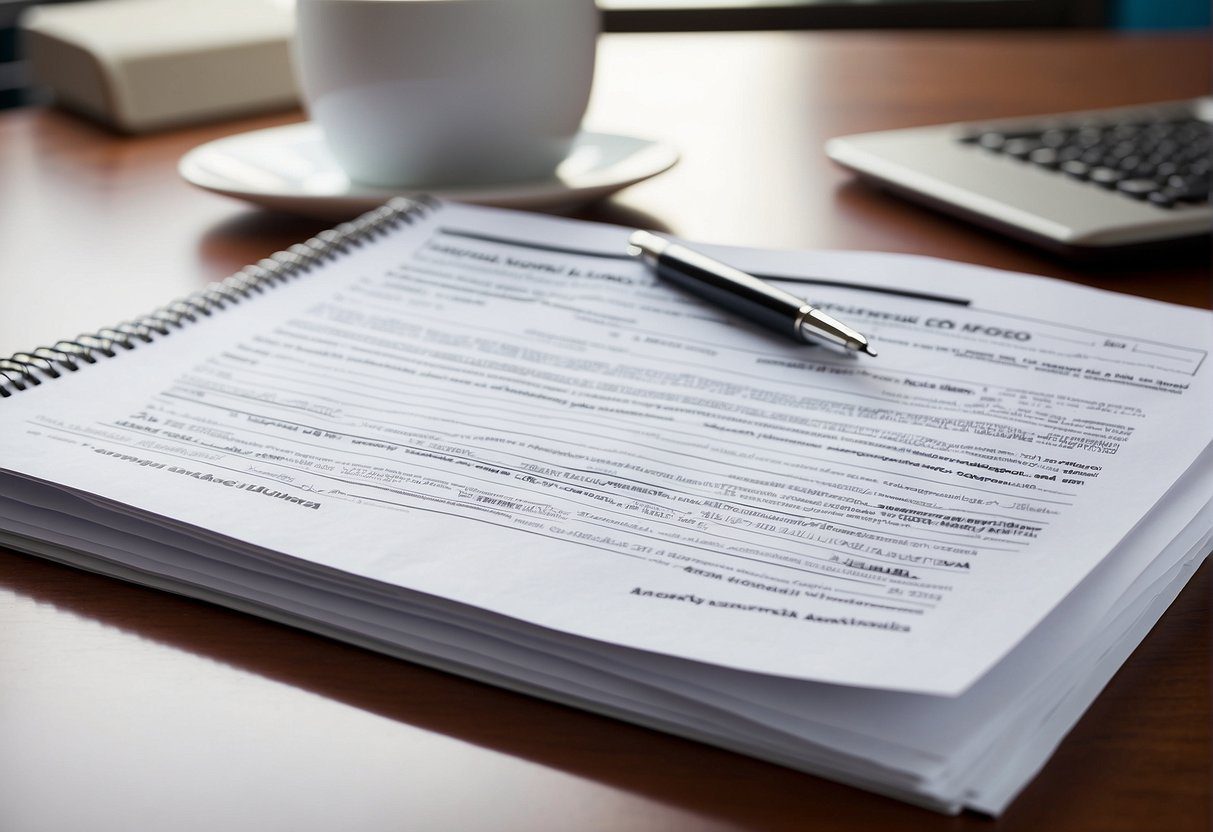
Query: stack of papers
492, 443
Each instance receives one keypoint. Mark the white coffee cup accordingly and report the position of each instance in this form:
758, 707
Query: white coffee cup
424, 93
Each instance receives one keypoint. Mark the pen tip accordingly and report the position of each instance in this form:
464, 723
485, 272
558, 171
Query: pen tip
868, 349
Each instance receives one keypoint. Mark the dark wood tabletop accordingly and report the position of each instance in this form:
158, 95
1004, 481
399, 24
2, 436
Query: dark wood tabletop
123, 708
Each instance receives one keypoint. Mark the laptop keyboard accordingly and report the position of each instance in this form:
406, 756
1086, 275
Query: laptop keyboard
1165, 162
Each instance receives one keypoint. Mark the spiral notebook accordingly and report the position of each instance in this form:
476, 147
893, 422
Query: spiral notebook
493, 443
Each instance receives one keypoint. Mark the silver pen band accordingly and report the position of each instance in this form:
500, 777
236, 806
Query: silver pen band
812, 323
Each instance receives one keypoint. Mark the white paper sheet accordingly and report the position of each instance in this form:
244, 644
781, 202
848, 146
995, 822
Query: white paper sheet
501, 410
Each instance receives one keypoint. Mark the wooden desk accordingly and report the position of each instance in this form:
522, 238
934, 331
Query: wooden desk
127, 709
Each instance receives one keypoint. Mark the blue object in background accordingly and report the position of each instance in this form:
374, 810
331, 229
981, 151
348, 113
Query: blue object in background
1160, 14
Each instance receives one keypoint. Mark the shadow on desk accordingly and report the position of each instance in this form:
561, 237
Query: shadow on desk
1177, 272
699, 779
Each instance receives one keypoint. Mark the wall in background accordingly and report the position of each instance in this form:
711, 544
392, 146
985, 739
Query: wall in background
1160, 14
14, 76
634, 15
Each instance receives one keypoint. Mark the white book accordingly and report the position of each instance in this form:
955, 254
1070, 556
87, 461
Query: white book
493, 443
145, 65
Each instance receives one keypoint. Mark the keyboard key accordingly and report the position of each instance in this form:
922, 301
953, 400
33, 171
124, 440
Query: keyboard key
1076, 169
1055, 138
1095, 156
1020, 148
1108, 177
1165, 148
1046, 157
1181, 182
1137, 188
1162, 199
1145, 170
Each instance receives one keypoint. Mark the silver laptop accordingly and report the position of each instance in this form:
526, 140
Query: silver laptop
1081, 183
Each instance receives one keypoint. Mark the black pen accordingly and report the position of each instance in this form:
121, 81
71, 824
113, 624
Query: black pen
743, 293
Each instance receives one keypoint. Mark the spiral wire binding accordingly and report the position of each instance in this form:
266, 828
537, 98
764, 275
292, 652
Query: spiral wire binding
23, 370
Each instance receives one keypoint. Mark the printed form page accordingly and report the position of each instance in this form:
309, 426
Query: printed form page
506, 411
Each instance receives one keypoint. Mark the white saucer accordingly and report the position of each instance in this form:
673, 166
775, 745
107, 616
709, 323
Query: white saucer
289, 168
